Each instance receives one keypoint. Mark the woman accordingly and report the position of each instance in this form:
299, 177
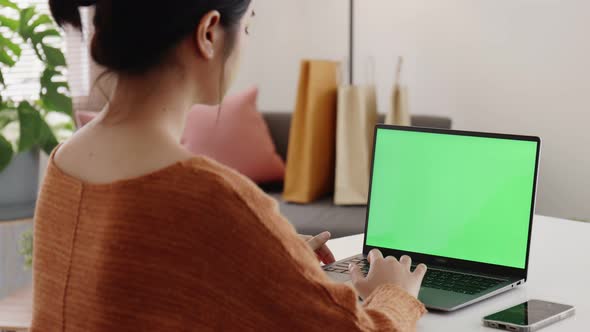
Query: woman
133, 233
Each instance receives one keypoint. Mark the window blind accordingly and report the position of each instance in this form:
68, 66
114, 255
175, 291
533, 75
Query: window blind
22, 80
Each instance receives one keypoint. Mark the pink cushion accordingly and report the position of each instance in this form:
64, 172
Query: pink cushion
239, 138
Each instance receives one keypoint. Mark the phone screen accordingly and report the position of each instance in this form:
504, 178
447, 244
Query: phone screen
529, 313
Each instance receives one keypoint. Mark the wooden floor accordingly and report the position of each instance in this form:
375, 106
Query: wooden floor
16, 311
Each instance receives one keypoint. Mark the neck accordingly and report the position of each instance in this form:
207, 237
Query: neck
154, 103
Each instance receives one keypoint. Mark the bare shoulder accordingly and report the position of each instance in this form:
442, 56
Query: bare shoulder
107, 159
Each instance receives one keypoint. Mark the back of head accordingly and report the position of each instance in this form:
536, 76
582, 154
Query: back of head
133, 36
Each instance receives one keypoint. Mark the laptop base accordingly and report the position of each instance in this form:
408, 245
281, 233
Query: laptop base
437, 299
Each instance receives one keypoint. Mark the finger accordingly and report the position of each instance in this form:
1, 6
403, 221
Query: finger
374, 255
319, 258
326, 255
319, 240
305, 237
406, 261
320, 253
355, 273
391, 258
420, 271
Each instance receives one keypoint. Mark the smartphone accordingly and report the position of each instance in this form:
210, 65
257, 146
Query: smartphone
529, 316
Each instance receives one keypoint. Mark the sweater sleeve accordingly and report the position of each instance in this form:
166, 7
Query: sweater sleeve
392, 308
293, 274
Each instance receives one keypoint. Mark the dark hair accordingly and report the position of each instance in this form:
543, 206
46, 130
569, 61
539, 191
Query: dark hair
133, 36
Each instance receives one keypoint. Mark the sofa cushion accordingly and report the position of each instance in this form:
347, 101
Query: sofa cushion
236, 136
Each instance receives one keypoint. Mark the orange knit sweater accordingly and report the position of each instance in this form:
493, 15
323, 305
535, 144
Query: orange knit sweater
192, 247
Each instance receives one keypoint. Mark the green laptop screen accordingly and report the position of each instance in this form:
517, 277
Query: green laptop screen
452, 196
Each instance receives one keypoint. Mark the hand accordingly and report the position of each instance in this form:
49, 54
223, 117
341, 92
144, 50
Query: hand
387, 271
318, 245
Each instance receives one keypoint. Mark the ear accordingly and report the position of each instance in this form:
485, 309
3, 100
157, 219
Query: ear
207, 34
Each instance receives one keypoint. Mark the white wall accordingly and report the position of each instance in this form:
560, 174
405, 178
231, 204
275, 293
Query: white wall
517, 66
284, 33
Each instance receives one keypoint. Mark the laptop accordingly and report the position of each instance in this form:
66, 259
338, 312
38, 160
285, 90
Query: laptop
460, 202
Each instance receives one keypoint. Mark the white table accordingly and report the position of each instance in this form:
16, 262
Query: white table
559, 271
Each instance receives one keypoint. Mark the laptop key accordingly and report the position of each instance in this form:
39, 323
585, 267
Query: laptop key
437, 279
458, 282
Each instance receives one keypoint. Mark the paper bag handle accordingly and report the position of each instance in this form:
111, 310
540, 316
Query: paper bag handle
398, 73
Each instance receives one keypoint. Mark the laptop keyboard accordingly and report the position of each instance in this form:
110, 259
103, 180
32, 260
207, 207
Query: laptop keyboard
438, 279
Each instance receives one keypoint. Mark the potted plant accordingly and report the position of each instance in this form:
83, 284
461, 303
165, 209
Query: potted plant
37, 123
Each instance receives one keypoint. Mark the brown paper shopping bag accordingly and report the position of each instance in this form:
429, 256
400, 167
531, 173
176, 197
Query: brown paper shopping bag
311, 156
357, 116
399, 113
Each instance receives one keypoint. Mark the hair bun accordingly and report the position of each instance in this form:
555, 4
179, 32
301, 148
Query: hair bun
125, 41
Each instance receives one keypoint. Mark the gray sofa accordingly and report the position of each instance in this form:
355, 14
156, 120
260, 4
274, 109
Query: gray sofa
323, 215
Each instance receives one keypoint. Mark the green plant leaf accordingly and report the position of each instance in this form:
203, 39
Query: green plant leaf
6, 58
41, 19
36, 48
26, 248
10, 23
2, 81
25, 16
9, 4
54, 56
5, 153
28, 30
57, 102
30, 126
7, 116
37, 38
8, 44
47, 78
35, 27
47, 139
4, 120
7, 104
51, 98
